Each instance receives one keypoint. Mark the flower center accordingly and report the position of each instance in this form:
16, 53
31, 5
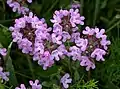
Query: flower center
50, 46
93, 43
66, 24
28, 32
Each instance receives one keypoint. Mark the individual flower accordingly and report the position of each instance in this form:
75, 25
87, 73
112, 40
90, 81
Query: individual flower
59, 53
4, 75
18, 6
84, 61
75, 5
65, 23
22, 86
3, 51
98, 53
82, 43
74, 52
45, 60
30, 1
33, 85
65, 80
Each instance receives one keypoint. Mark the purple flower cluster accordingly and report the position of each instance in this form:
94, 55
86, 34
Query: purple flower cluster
18, 6
64, 24
48, 45
3, 75
91, 46
65, 80
33, 85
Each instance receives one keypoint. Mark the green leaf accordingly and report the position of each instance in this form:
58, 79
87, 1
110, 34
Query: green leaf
10, 68
76, 76
47, 84
55, 86
1, 86
97, 6
5, 36
46, 73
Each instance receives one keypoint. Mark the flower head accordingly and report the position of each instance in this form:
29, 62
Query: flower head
65, 80
17, 6
93, 44
23, 32
65, 23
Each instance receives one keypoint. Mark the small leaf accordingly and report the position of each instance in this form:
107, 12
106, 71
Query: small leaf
47, 84
76, 76
10, 68
1, 86
5, 36
56, 86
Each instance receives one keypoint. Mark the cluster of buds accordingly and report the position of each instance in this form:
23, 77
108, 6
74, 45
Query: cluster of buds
19, 6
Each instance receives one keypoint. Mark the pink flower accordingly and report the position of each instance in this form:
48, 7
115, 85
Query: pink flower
22, 86
35, 85
98, 53
99, 33
84, 61
3, 51
88, 31
82, 43
75, 52
104, 42
56, 39
65, 80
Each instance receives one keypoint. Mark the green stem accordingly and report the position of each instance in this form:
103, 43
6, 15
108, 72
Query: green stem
30, 66
96, 11
23, 75
3, 2
81, 6
113, 26
52, 6
89, 73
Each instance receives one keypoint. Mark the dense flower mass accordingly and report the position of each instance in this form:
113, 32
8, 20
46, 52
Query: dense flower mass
33, 85
18, 6
48, 45
92, 45
64, 24
23, 32
65, 80
3, 75
34, 37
